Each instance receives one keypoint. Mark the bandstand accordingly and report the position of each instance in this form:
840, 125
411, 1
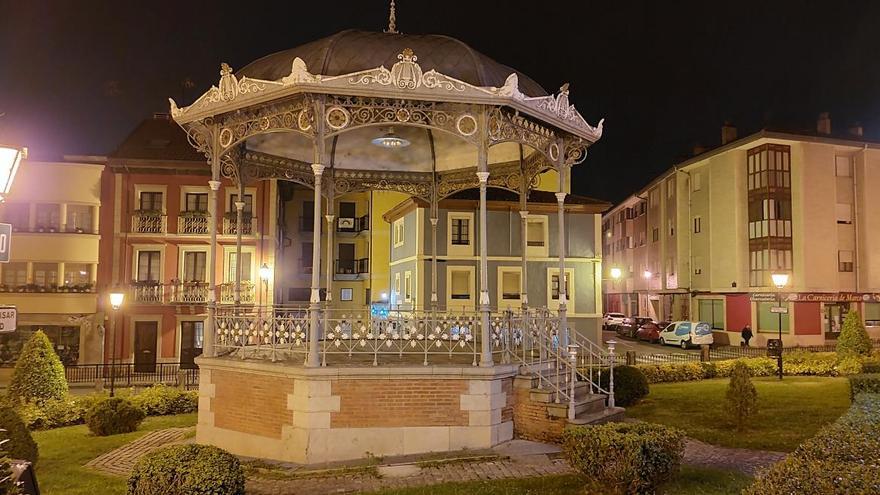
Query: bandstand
428, 116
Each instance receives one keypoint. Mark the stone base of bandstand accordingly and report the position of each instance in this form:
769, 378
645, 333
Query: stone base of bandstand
292, 413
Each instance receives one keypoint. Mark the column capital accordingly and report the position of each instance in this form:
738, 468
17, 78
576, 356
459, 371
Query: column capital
434, 221
560, 197
523, 214
239, 205
483, 177
318, 169
214, 184
316, 296
484, 298
329, 218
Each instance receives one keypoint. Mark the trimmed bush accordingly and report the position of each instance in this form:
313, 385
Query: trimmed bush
853, 337
160, 400
38, 374
864, 384
7, 486
20, 445
841, 459
187, 470
742, 398
870, 365
630, 385
625, 458
114, 415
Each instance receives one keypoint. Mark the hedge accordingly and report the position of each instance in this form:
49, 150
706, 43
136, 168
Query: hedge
113, 416
793, 363
630, 385
841, 459
38, 375
160, 400
864, 384
20, 445
187, 470
625, 458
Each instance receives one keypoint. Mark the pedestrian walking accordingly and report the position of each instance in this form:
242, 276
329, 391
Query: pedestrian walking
746, 335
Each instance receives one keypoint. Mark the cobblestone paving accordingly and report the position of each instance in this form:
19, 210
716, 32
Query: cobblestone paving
697, 453
121, 461
524, 467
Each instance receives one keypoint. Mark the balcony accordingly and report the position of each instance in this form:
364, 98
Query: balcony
192, 222
230, 224
147, 292
227, 292
189, 292
148, 222
352, 269
353, 225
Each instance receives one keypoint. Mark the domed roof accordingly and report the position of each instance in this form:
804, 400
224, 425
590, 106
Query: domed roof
352, 51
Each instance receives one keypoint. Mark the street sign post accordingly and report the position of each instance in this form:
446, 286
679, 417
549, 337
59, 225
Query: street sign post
5, 241
8, 319
779, 309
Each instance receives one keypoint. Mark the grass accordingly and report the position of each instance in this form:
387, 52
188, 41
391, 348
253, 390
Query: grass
691, 481
789, 411
64, 451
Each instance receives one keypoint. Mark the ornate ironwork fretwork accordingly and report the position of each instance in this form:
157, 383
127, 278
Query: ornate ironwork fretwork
294, 115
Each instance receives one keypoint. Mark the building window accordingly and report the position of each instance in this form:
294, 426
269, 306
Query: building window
45, 274
148, 267
460, 284
196, 202
192, 341
407, 286
843, 166
397, 287
151, 201
872, 314
537, 232
18, 214
844, 261
553, 287
768, 321
347, 294
509, 283
79, 218
14, 274
64, 339
670, 224
460, 231
232, 266
696, 177
844, 213
306, 258
194, 266
769, 211
77, 274
307, 219
712, 312
48, 217
655, 234
698, 225
248, 209
398, 232
642, 236
698, 265
670, 188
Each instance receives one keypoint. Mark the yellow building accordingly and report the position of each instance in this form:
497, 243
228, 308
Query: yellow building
50, 279
701, 240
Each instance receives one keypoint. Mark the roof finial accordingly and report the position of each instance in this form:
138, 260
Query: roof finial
392, 20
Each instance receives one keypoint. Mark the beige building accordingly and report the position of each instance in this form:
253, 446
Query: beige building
50, 279
701, 240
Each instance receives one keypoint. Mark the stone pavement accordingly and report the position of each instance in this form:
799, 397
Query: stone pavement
120, 461
697, 453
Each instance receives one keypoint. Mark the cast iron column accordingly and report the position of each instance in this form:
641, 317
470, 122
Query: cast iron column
486, 331
315, 299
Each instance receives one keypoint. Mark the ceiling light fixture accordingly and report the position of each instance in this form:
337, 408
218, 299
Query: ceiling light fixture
391, 140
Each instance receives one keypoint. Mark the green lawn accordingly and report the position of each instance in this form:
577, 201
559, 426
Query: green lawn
691, 481
64, 451
789, 411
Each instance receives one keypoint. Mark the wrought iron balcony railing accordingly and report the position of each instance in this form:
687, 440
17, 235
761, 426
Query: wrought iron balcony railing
148, 222
230, 225
189, 292
192, 223
353, 224
227, 292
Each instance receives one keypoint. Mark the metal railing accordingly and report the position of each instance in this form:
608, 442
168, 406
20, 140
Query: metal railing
352, 267
148, 293
194, 223
353, 224
227, 292
134, 375
230, 225
189, 292
148, 223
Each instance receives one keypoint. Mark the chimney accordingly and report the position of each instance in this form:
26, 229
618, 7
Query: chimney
856, 130
699, 149
728, 133
823, 125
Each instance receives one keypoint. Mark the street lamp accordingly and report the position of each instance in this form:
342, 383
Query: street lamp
116, 299
780, 280
647, 274
616, 273
10, 159
265, 273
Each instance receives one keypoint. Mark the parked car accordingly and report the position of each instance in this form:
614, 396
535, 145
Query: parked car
630, 325
686, 333
611, 320
650, 331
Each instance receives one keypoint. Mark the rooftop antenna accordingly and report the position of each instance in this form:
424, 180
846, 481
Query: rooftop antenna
392, 20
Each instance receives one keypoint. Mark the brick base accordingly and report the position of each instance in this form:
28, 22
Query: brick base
315, 415
531, 420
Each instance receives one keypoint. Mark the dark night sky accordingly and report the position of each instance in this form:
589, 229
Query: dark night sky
77, 76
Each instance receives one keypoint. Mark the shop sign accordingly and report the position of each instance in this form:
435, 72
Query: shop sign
8, 319
832, 297
763, 296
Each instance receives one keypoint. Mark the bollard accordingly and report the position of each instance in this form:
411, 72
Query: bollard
181, 379
704, 353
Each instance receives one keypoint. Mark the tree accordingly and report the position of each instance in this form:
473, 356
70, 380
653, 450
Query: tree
853, 337
742, 398
38, 374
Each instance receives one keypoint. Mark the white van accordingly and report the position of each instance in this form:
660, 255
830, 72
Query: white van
687, 333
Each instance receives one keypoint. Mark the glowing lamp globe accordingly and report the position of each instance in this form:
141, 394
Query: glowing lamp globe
615, 273
116, 298
265, 272
10, 159
780, 280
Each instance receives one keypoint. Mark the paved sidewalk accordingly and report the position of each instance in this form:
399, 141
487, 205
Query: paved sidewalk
697, 453
120, 461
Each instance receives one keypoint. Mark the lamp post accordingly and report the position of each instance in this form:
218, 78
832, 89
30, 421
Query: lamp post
265, 273
10, 159
116, 298
780, 280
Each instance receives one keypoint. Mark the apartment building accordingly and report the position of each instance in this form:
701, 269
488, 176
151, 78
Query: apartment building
701, 240
54, 209
458, 272
155, 244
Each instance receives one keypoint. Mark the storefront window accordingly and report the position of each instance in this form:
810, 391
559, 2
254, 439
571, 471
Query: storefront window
768, 321
712, 312
872, 314
65, 341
